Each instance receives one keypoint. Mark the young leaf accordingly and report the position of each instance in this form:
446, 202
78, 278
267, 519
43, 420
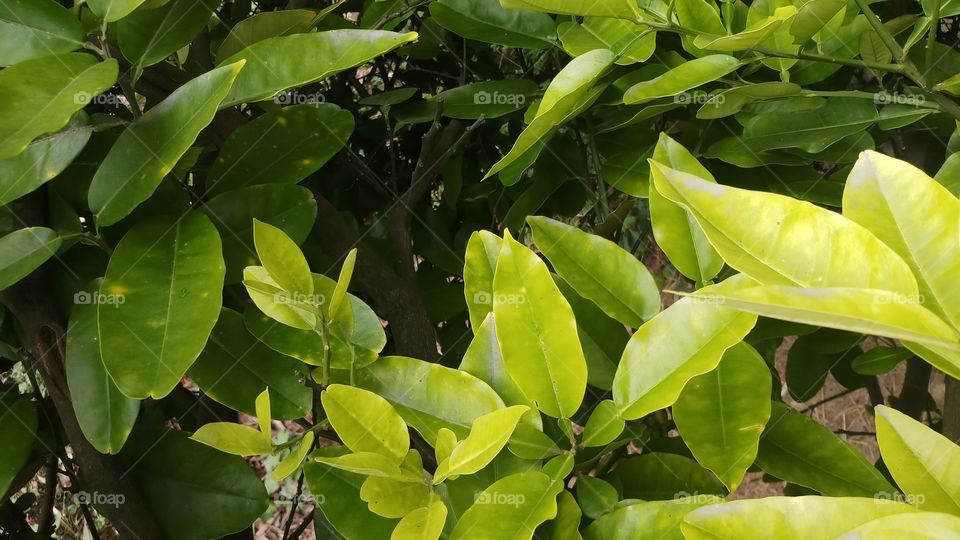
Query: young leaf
675, 230
105, 415
271, 68
282, 258
722, 413
785, 241
547, 364
151, 146
917, 217
369, 464
598, 270
394, 498
23, 251
923, 462
750, 37
488, 435
683, 341
425, 523
37, 28
446, 442
264, 414
39, 96
366, 422
169, 274
343, 283
483, 249
511, 507
149, 36
797, 449
294, 459
236, 439
688, 75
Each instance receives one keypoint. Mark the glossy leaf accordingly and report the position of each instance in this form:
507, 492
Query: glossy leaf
797, 449
366, 422
598, 8
34, 28
630, 42
490, 23
662, 476
282, 258
429, 396
234, 367
750, 37
674, 228
39, 96
654, 520
270, 68
23, 251
510, 508
880, 360
548, 365
150, 147
483, 249
488, 435
688, 75
105, 415
282, 147
922, 461
265, 25
603, 426
41, 162
814, 247
919, 526
425, 523
394, 498
170, 277
811, 131
683, 341
599, 270
149, 36
596, 496
294, 459
113, 10
236, 439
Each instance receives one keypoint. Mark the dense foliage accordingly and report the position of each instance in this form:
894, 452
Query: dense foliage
421, 269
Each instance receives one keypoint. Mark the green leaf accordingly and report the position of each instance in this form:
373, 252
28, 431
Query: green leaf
429, 396
661, 476
149, 36
39, 96
337, 495
266, 25
785, 241
393, 498
529, 442
35, 28
732, 100
18, 427
195, 492
688, 75
812, 16
596, 496
547, 364
700, 15
490, 23
234, 367
151, 146
597, 8
797, 449
750, 37
567, 523
511, 507
923, 462
598, 270
811, 131
23, 251
674, 228
280, 147
105, 415
917, 526
271, 68
560, 99
786, 517
630, 42
488, 435
603, 426
294, 459
236, 439
492, 99
113, 10
42, 161
340, 291
371, 464
366, 422
480, 263
880, 360
446, 442
298, 310
721, 414
424, 523
685, 340
602, 337
282, 258
169, 273
917, 217
292, 209
655, 520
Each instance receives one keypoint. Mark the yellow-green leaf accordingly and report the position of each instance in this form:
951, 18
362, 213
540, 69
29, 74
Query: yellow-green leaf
488, 435
231, 438
366, 422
